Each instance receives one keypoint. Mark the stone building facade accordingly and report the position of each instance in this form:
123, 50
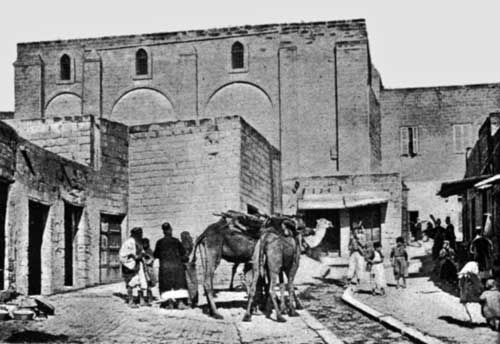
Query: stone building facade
54, 210
281, 117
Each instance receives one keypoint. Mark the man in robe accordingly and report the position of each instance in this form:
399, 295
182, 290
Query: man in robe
172, 275
131, 254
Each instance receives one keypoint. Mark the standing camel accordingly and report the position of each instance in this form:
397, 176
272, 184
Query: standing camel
277, 253
218, 242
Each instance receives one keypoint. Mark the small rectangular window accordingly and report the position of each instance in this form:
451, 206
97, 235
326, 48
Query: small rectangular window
409, 141
462, 137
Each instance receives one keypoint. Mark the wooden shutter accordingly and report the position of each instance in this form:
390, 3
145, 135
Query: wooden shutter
403, 140
415, 140
468, 136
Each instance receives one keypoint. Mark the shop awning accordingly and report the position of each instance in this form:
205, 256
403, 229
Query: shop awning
342, 200
488, 182
458, 187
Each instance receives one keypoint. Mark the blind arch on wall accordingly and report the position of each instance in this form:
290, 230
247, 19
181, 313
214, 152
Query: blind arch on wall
143, 106
251, 103
64, 104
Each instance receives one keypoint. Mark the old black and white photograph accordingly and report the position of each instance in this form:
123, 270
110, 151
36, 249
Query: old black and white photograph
320, 172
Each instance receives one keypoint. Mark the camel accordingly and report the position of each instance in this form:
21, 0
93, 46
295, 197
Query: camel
277, 253
217, 242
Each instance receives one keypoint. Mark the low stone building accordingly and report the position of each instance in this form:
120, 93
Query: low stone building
376, 202
54, 210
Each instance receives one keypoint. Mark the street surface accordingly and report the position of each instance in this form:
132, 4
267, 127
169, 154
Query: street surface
97, 315
324, 302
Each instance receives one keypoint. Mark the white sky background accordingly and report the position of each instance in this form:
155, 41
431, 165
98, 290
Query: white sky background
419, 43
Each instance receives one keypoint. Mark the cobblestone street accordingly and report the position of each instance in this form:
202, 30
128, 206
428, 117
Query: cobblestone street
324, 302
96, 316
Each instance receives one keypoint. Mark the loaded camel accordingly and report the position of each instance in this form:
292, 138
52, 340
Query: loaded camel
278, 253
219, 241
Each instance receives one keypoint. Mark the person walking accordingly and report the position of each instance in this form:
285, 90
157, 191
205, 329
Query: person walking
399, 261
131, 255
172, 278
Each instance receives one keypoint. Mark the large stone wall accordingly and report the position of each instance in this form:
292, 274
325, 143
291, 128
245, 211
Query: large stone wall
260, 173
291, 80
182, 172
433, 110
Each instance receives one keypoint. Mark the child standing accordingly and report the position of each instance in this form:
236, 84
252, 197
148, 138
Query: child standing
148, 261
377, 270
399, 260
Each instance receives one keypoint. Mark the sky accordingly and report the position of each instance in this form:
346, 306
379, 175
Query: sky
412, 44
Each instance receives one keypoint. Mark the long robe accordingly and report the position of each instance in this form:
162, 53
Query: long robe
171, 254
132, 270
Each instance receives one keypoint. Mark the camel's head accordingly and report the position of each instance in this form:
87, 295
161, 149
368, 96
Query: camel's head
323, 223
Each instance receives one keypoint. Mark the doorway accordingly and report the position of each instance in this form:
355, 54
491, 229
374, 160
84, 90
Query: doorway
331, 240
72, 216
4, 188
38, 214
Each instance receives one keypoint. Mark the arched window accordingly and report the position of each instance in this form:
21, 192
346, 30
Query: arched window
65, 67
141, 62
237, 55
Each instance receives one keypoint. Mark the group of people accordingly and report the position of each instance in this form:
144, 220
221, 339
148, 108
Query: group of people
363, 259
137, 259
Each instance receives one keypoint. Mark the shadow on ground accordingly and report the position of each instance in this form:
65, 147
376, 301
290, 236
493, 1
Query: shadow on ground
430, 269
38, 337
462, 323
337, 282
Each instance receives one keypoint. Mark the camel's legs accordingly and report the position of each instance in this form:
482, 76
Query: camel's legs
233, 272
291, 294
294, 303
282, 292
209, 270
272, 294
251, 294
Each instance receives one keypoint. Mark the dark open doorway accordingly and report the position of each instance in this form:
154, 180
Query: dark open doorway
72, 216
37, 219
331, 240
4, 188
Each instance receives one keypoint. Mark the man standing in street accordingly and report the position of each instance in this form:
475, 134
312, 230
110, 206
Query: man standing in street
172, 276
438, 239
356, 257
449, 233
131, 254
